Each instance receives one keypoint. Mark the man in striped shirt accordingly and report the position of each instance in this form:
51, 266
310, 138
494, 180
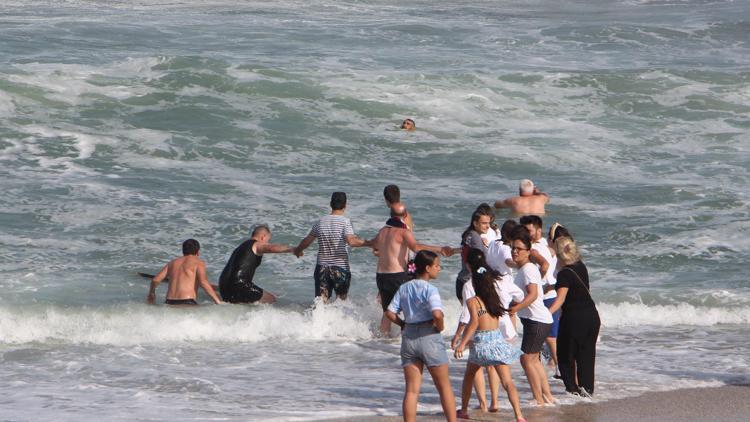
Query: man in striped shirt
334, 232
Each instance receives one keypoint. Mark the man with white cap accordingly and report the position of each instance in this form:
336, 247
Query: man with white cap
530, 200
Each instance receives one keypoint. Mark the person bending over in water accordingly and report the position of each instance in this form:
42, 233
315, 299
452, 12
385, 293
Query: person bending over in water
421, 341
530, 200
185, 274
236, 281
408, 125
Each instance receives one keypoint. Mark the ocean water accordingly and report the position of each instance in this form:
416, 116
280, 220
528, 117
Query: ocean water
129, 126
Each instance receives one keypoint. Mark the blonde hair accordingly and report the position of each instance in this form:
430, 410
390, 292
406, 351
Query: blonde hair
567, 251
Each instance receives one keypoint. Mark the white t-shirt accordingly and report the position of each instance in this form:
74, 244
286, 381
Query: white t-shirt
529, 274
497, 254
549, 278
507, 291
491, 235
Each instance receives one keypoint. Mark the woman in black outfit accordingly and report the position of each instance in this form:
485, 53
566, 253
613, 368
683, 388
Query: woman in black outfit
579, 323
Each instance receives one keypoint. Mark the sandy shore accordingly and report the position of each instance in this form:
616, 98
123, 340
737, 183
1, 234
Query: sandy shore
729, 403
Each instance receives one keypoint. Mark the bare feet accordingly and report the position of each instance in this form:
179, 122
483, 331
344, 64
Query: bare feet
462, 414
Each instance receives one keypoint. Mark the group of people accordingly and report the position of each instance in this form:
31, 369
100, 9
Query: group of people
549, 293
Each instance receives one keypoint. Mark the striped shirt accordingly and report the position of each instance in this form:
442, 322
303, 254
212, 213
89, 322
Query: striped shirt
331, 232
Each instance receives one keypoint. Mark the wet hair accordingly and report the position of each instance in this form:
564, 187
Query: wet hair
488, 209
424, 259
507, 229
526, 186
392, 194
259, 229
557, 231
408, 120
478, 213
522, 234
483, 279
190, 247
567, 250
338, 201
532, 219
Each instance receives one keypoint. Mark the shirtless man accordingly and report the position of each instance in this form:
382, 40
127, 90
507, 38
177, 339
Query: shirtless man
185, 274
393, 243
530, 201
236, 281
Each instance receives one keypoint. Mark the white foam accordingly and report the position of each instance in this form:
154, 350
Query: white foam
140, 324
638, 314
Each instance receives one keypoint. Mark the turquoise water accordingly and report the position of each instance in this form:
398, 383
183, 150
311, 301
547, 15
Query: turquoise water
127, 127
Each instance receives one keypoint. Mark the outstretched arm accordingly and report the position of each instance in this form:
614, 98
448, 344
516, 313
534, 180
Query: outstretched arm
274, 248
203, 281
356, 242
504, 203
303, 244
412, 244
158, 278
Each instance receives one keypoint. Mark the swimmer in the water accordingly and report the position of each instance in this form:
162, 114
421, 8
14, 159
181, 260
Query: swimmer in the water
408, 125
185, 274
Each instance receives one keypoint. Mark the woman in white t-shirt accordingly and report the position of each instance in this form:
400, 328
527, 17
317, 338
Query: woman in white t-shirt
535, 317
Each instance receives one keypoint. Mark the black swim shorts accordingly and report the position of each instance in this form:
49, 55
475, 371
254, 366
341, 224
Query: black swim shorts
242, 292
181, 302
388, 284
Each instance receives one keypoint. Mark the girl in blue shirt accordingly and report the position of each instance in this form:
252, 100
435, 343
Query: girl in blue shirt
421, 341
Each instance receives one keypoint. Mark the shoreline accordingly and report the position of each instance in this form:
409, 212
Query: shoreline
725, 403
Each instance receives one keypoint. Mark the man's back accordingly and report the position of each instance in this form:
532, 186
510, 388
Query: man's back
528, 205
181, 273
331, 232
392, 247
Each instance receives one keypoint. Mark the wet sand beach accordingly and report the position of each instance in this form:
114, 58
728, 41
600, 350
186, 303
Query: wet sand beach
729, 403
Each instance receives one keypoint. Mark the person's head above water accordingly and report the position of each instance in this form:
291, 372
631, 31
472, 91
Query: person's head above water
408, 124
338, 201
191, 247
526, 187
261, 232
392, 195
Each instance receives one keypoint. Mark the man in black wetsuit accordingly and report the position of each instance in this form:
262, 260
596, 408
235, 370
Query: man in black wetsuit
236, 281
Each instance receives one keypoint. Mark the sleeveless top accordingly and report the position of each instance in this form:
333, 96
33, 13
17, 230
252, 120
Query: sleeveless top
240, 268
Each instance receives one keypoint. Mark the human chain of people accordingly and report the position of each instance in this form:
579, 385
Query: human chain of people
508, 273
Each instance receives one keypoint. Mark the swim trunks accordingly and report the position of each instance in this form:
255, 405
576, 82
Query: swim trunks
236, 281
181, 302
330, 279
388, 284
